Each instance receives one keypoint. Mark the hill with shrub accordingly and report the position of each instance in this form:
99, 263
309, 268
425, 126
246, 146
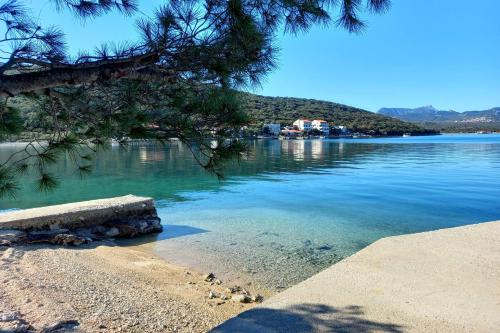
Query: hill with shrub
285, 110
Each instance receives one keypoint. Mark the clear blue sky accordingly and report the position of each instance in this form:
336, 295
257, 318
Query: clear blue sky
440, 52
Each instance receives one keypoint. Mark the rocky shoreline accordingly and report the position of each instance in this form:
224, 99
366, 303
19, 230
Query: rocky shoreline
79, 236
94, 285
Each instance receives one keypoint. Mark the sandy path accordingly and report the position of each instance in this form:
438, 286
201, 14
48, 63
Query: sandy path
106, 289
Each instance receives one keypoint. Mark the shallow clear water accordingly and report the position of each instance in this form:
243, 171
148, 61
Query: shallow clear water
295, 207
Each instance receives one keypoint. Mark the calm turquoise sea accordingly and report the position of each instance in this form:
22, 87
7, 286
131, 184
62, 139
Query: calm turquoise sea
294, 207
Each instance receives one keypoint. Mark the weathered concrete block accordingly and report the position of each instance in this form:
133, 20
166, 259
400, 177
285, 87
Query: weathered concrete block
80, 214
75, 223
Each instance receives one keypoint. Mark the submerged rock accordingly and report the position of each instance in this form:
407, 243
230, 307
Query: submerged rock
325, 247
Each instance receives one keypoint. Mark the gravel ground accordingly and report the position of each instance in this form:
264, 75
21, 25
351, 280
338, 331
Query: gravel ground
104, 289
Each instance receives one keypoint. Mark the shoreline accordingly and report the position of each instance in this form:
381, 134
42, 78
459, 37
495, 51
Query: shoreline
106, 288
193, 260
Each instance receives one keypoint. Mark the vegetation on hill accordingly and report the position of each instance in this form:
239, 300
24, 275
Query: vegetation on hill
285, 110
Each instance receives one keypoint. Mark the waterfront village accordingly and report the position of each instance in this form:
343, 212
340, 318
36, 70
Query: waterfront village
304, 128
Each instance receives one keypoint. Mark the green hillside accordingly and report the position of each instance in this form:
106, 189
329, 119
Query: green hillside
285, 110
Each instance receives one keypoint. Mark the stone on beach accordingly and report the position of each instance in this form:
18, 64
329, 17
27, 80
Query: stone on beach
11, 234
257, 298
242, 298
232, 290
209, 277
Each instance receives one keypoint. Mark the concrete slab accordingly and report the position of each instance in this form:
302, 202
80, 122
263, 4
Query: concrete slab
441, 281
79, 214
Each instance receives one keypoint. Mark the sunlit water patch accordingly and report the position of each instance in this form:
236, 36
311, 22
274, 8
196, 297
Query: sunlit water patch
295, 207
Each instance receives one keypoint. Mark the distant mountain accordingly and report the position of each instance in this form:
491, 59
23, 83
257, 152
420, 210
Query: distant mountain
285, 110
427, 114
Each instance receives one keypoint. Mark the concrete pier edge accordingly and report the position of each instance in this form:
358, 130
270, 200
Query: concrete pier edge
446, 280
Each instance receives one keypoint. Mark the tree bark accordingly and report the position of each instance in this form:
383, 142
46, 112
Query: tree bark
61, 75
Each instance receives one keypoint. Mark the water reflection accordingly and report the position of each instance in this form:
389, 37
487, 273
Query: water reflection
147, 154
294, 207
165, 171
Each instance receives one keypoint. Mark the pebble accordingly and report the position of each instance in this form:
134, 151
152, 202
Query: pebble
9, 316
209, 277
257, 298
212, 294
232, 290
21, 327
242, 298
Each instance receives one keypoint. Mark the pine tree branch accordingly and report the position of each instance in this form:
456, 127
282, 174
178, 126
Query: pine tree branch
73, 74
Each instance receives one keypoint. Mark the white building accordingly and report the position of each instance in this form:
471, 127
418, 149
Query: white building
342, 129
273, 129
321, 125
303, 124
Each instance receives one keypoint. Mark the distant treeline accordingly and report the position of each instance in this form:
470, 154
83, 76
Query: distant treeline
285, 110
